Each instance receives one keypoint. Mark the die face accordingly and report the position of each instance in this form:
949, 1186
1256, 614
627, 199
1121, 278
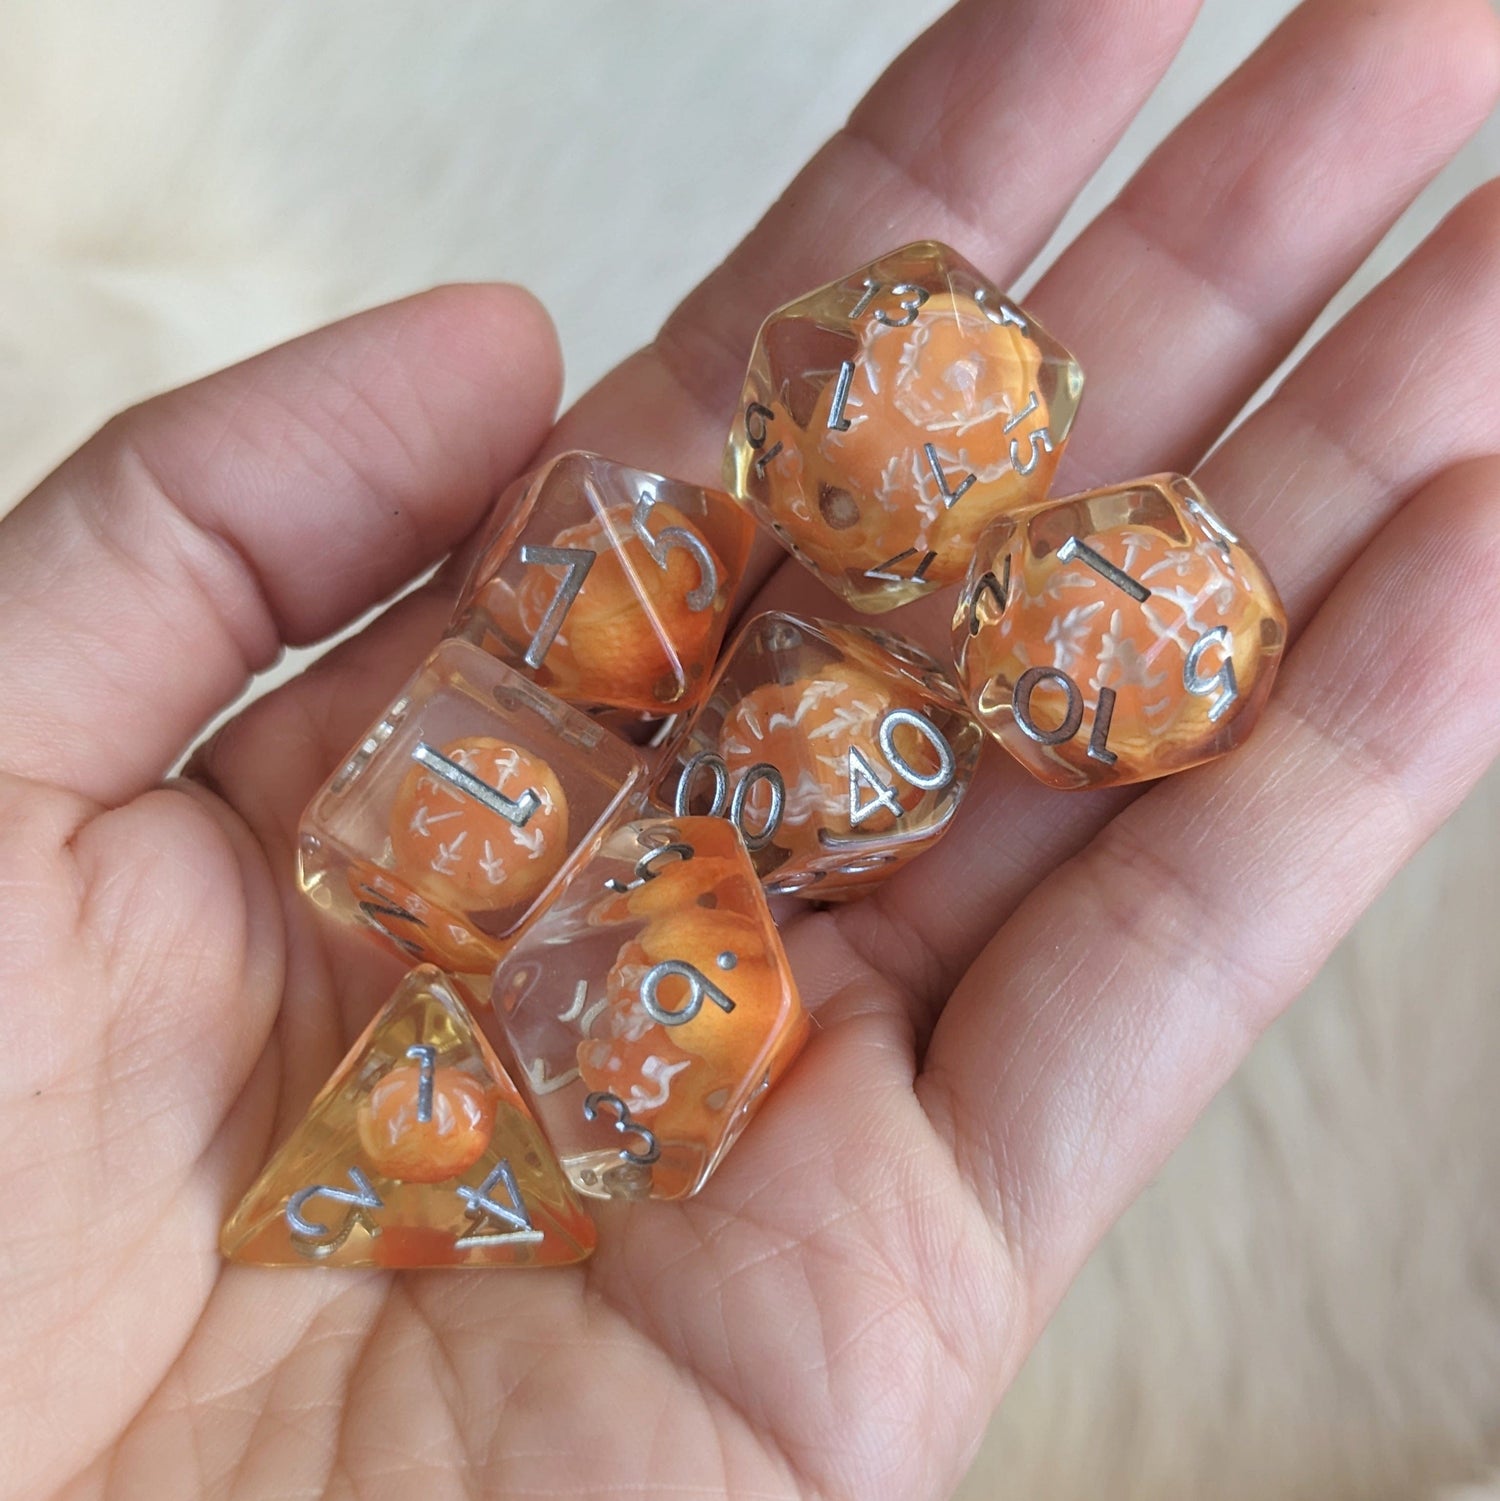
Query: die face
839, 753
608, 586
418, 1152
652, 1010
1117, 635
887, 418
461, 813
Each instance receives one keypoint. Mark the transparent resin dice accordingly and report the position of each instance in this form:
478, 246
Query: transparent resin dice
652, 1009
1117, 635
838, 752
418, 1152
462, 811
608, 586
888, 417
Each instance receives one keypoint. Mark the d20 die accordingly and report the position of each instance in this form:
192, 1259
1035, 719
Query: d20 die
840, 753
606, 585
418, 1152
887, 418
1117, 635
461, 812
652, 1009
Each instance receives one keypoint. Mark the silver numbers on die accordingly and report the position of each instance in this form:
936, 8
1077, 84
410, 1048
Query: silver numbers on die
1223, 688
736, 802
677, 538
866, 777
699, 989
576, 562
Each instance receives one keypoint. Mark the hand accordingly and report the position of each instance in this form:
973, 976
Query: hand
1016, 1032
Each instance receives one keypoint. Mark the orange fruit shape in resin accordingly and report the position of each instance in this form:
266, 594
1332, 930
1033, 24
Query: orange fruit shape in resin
1118, 635
871, 491
423, 1124
418, 1152
636, 627
891, 416
718, 977
809, 729
839, 752
481, 857
608, 585
653, 1009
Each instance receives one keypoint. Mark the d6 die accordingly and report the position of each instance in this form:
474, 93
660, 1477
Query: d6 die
608, 586
888, 417
652, 1009
462, 811
838, 752
1117, 635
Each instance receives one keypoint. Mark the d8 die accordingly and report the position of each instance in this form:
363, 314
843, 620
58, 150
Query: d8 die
839, 753
652, 1009
607, 586
888, 417
462, 812
1117, 635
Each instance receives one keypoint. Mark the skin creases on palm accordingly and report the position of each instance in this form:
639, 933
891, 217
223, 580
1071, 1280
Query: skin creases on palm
837, 1312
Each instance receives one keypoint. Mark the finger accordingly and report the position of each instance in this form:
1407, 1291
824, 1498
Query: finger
171, 556
920, 156
1129, 985
980, 134
1190, 289
1373, 412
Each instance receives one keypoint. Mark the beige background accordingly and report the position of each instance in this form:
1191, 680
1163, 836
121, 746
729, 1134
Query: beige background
1307, 1303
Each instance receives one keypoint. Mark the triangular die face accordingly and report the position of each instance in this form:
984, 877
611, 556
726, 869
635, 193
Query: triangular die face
418, 1152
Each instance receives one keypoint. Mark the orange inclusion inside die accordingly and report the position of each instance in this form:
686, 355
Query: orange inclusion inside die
683, 1078
400, 1146
1101, 638
450, 843
806, 729
629, 638
862, 496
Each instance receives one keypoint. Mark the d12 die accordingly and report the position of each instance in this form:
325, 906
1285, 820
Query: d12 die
608, 586
652, 1009
461, 812
839, 753
888, 417
418, 1152
1117, 635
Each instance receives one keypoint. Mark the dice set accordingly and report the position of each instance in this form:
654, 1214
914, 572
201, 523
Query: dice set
595, 913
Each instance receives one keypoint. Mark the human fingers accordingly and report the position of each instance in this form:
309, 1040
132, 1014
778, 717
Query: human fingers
1123, 992
1371, 414
174, 554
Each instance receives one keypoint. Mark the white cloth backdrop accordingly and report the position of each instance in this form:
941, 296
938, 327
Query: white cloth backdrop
1307, 1302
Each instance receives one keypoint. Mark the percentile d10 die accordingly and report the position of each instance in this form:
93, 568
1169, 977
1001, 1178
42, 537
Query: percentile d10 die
840, 753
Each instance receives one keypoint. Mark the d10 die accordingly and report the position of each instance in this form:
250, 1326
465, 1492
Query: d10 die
888, 417
839, 753
1117, 635
652, 1009
418, 1152
608, 586
461, 812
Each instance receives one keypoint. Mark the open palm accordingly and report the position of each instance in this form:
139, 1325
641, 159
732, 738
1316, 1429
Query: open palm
1016, 1030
